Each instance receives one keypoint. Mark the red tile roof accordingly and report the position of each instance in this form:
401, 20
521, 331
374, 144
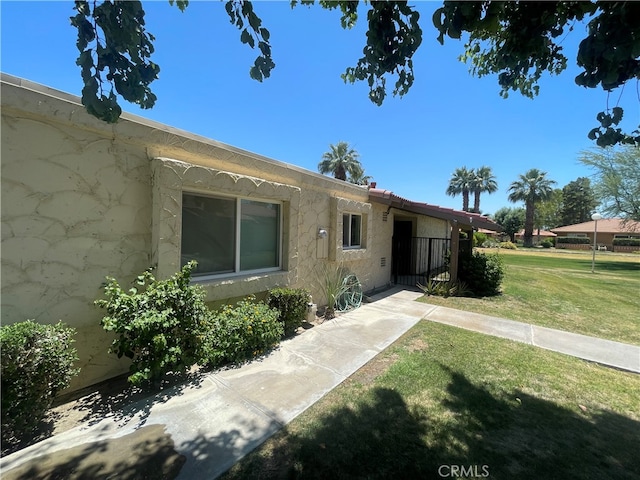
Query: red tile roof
386, 197
606, 225
543, 233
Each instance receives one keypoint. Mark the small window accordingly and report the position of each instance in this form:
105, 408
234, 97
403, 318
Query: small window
351, 230
230, 235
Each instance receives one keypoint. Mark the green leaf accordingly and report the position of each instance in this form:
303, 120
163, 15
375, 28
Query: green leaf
246, 37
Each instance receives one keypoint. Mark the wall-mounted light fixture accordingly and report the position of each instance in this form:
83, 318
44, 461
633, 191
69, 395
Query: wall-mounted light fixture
322, 233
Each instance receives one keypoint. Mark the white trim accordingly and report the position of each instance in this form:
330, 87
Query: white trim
238, 228
173, 177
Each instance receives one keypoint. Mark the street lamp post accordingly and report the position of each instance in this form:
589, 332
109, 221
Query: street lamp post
595, 217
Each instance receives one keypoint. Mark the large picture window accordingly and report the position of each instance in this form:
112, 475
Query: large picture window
230, 235
351, 230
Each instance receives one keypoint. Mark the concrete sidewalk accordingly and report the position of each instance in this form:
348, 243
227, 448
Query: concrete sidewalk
214, 423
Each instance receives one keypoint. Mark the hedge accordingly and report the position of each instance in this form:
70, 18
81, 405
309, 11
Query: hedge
574, 240
627, 242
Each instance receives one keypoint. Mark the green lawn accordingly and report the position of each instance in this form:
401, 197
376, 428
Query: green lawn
557, 290
442, 398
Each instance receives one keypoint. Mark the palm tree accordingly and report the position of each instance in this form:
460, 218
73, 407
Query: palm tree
359, 178
484, 181
340, 161
461, 182
530, 188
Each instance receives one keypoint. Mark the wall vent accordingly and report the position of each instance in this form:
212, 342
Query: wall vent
383, 261
384, 216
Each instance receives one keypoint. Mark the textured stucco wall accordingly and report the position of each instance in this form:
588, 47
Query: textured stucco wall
76, 207
82, 200
433, 227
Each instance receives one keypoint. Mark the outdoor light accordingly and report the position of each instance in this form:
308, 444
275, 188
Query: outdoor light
322, 233
595, 217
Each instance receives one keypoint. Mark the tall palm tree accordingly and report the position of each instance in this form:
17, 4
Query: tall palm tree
484, 181
340, 161
530, 188
461, 183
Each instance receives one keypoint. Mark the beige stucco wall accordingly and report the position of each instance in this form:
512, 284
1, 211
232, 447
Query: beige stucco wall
82, 200
76, 207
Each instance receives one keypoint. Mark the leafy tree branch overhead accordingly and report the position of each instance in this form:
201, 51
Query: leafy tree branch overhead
517, 41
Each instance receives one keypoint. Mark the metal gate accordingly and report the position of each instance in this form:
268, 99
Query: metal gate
417, 259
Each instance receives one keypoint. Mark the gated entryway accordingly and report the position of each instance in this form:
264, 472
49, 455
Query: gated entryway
416, 259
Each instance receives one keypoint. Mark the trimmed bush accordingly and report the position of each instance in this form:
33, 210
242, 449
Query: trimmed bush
627, 242
159, 327
37, 363
292, 305
240, 333
547, 243
508, 245
574, 240
482, 273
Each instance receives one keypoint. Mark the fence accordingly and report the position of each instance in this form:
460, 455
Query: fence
416, 259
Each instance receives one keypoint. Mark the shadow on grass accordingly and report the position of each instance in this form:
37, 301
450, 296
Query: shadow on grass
507, 436
379, 436
610, 266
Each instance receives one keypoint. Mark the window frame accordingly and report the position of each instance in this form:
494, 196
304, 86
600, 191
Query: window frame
349, 233
237, 272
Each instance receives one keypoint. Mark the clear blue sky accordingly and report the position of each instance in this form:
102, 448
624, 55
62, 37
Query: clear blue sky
409, 145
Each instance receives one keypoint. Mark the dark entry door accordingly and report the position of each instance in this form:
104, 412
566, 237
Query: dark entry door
401, 251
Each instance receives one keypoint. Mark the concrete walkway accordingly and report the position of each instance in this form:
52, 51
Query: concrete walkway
214, 423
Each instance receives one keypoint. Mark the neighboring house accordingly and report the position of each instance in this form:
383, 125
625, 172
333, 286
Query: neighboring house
82, 200
538, 236
490, 233
608, 230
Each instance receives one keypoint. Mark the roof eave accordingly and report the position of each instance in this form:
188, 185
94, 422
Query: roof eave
474, 220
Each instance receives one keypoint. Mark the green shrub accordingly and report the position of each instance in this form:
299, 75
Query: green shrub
479, 239
627, 242
236, 334
159, 327
292, 304
37, 362
482, 273
508, 245
547, 243
574, 240
332, 284
445, 288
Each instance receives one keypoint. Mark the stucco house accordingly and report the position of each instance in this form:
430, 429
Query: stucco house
82, 200
609, 229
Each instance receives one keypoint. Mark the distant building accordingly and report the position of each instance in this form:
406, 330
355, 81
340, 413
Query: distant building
609, 229
538, 236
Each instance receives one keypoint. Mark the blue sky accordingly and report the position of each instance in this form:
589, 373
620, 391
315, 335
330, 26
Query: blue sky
409, 145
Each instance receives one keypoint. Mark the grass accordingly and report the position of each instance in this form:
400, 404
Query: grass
442, 396
557, 290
